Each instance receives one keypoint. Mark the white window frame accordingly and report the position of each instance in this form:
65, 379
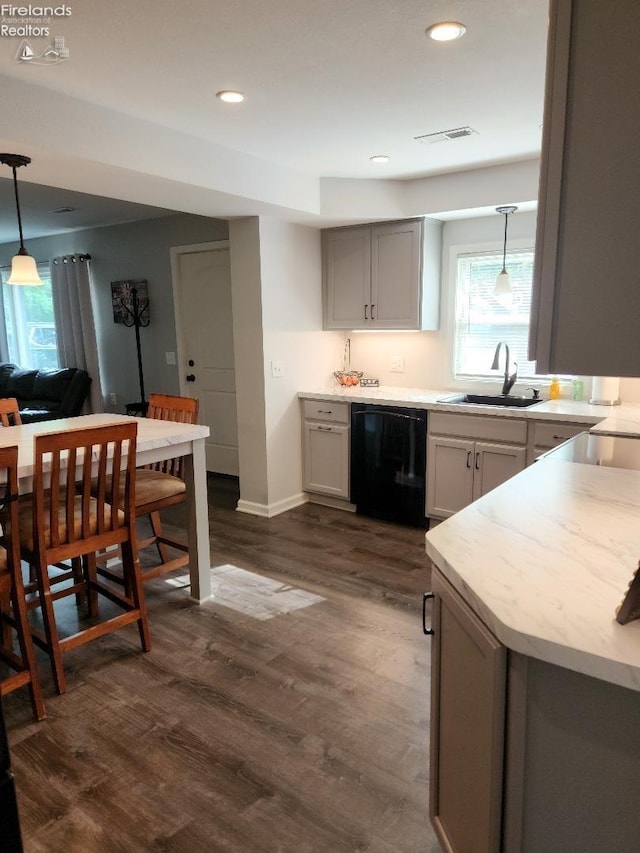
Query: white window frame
17, 314
475, 383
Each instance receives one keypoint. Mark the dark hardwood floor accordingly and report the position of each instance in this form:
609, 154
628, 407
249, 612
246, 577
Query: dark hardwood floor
305, 732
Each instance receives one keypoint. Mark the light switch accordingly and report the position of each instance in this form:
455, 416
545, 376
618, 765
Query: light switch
170, 357
397, 364
277, 369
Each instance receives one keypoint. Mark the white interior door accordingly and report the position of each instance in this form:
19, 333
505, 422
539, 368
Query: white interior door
202, 287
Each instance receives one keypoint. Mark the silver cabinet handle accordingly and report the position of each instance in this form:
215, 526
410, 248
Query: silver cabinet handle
366, 309
477, 460
326, 429
325, 412
373, 305
468, 459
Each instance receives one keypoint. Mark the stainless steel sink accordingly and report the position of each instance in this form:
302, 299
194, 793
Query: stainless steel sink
491, 400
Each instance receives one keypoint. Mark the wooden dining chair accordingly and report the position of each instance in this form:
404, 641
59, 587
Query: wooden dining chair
13, 608
9, 412
159, 486
65, 521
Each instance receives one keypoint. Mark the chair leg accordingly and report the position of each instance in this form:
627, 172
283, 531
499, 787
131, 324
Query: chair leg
133, 578
156, 526
7, 635
76, 569
27, 651
91, 580
51, 629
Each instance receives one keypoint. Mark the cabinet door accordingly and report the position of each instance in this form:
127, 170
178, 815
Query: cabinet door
468, 687
586, 300
494, 464
449, 475
347, 272
326, 459
395, 275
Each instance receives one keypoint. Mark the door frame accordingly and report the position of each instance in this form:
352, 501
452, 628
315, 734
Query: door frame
175, 252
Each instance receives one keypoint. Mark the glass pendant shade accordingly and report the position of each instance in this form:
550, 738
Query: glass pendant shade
503, 280
23, 266
503, 283
24, 270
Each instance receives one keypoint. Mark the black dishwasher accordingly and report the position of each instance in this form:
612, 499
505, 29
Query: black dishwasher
388, 462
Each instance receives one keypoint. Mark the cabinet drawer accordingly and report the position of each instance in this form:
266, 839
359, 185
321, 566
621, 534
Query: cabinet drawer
324, 410
553, 434
506, 429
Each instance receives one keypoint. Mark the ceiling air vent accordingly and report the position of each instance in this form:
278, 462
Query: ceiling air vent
445, 135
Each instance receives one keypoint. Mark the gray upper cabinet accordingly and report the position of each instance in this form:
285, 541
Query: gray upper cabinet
586, 300
384, 276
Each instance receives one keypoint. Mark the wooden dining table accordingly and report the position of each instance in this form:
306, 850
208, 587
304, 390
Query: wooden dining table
157, 440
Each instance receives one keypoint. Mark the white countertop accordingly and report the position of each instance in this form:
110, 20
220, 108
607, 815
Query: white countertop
546, 558
614, 420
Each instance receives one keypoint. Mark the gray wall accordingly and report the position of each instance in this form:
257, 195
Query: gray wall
134, 250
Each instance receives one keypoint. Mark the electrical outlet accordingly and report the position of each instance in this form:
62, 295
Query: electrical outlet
113, 398
277, 369
170, 357
397, 364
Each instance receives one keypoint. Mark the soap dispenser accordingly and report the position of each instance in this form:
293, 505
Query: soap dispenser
554, 389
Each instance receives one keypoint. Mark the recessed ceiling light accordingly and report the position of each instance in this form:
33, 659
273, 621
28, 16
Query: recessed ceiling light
230, 97
380, 158
446, 31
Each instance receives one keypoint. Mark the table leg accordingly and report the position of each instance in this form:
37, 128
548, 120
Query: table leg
198, 523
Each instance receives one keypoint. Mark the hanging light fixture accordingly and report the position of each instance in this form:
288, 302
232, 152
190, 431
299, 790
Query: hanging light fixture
23, 266
503, 281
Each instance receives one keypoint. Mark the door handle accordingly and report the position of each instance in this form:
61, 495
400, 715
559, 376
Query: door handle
190, 377
426, 597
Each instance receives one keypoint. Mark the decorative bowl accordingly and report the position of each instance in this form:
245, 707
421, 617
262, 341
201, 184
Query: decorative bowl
348, 377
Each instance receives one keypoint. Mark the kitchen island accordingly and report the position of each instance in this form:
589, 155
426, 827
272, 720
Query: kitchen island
536, 687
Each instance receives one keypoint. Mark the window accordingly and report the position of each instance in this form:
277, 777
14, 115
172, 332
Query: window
483, 318
30, 323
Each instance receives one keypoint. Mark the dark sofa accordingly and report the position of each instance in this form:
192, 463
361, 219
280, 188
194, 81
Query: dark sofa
44, 395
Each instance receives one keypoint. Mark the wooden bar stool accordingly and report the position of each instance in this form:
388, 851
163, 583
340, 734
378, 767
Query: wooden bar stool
63, 520
159, 486
9, 412
13, 608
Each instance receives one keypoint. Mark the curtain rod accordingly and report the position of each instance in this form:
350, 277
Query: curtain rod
73, 258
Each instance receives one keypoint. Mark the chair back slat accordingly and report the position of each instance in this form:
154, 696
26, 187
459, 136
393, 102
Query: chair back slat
64, 496
9, 412
168, 407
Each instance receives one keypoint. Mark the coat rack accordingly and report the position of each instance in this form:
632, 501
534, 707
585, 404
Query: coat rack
131, 307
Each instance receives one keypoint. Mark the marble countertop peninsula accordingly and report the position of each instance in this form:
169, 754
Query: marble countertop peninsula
611, 420
546, 558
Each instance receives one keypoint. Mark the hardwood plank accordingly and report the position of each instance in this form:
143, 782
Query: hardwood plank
305, 732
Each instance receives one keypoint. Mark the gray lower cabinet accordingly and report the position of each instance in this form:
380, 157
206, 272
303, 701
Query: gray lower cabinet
468, 456
586, 300
384, 276
326, 444
526, 756
468, 693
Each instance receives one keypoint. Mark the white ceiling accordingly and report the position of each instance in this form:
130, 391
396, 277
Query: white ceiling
327, 83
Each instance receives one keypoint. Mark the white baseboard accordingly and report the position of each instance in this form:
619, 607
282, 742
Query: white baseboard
270, 510
336, 503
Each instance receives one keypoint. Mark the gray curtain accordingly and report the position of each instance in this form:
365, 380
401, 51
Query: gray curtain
75, 327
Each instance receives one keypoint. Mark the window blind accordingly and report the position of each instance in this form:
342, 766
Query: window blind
482, 317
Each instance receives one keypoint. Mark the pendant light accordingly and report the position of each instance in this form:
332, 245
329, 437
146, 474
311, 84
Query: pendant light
23, 266
503, 281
